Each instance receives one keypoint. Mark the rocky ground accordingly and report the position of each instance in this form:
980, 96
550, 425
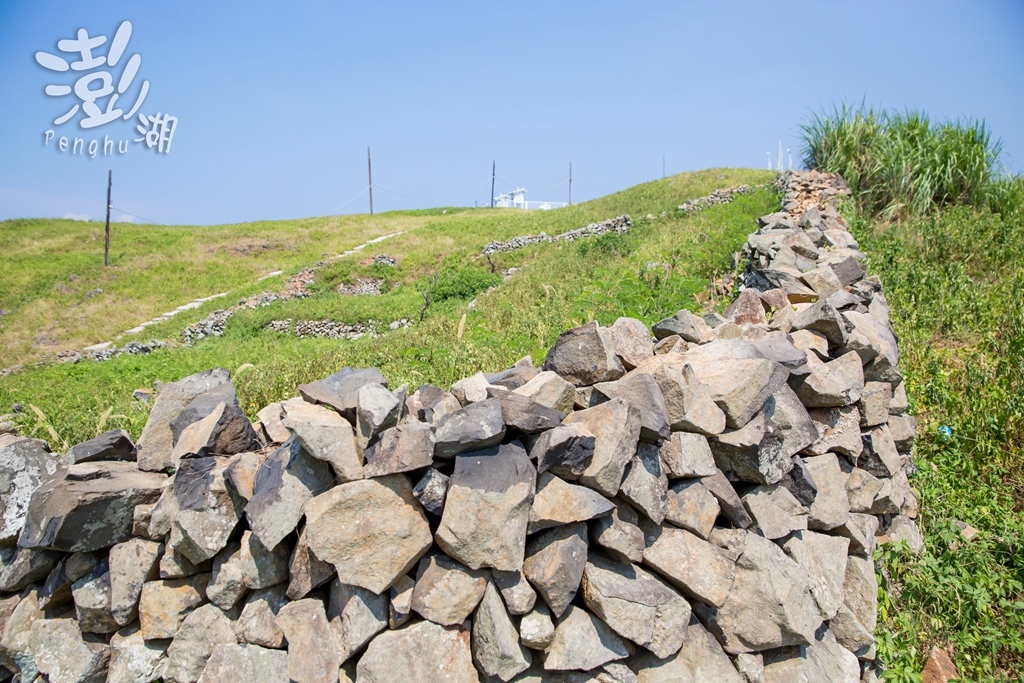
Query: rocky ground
698, 501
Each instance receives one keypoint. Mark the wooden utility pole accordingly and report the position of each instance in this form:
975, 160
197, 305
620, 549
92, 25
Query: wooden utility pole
494, 167
369, 171
106, 238
570, 183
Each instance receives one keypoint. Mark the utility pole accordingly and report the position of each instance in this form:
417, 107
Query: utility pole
570, 183
494, 167
369, 172
106, 238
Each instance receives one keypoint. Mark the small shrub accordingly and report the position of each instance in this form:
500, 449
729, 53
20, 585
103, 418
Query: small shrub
463, 282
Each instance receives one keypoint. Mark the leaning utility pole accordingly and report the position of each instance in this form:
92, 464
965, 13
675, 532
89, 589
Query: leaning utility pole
106, 238
493, 171
369, 171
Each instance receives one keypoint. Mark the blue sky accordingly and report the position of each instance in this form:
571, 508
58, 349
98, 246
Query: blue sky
277, 102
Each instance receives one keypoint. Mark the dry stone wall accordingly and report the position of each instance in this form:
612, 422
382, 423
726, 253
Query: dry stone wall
694, 502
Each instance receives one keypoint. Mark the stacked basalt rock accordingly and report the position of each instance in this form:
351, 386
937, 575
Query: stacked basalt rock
617, 225
699, 507
715, 198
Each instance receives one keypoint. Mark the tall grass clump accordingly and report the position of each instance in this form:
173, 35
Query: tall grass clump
901, 164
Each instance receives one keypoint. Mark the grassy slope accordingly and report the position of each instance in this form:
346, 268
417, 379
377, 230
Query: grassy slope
649, 273
953, 283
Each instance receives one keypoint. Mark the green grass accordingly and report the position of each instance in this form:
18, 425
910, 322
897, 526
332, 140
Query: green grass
900, 164
648, 273
953, 282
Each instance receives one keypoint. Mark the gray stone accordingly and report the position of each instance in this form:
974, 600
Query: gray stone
619, 534
340, 390
91, 594
862, 489
823, 281
746, 309
775, 511
824, 318
325, 435
691, 564
164, 604
823, 559
21, 566
728, 500
880, 456
688, 404
837, 383
567, 450
407, 447
64, 656
213, 424
751, 666
89, 507
114, 444
285, 482
874, 403
770, 604
475, 427
687, 455
131, 563
555, 559
632, 341
902, 428
423, 651
259, 566
257, 623
899, 403
141, 520
201, 631
133, 660
636, 605
792, 420
488, 508
823, 660
446, 591
156, 445
616, 429
517, 592
245, 664
550, 390
355, 615
692, 507
585, 355
431, 491
616, 672
700, 660
496, 648
860, 529
809, 340
645, 484
377, 409
56, 589
272, 419
208, 510
584, 642
838, 432
800, 482
536, 629
400, 602
313, 655
372, 531
854, 624
226, 587
305, 570
643, 393
557, 502
174, 565
831, 506
17, 649
527, 416
753, 453
471, 389
685, 324
903, 529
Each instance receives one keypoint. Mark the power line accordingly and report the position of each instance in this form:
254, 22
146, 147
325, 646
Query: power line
145, 220
344, 204
398, 194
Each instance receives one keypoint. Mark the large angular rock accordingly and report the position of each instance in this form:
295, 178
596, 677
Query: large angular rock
854, 624
400, 603
527, 416
24, 467
567, 450
557, 502
201, 631
372, 531
555, 559
91, 594
245, 663
643, 393
356, 615
488, 508
584, 642
114, 444
880, 456
241, 473
64, 656
728, 500
536, 629
776, 511
685, 324
619, 534
377, 409
700, 660
472, 389
164, 604
831, 506
786, 412
646, 484
21, 566
496, 648
636, 605
692, 507
828, 385
325, 435
208, 508
475, 427
91, 506
824, 318
257, 623
431, 491
632, 341
17, 649
550, 390
156, 445
746, 309
688, 404
271, 417
755, 453
517, 592
226, 587
823, 559
313, 655
285, 481
213, 424
616, 429
341, 390
585, 355
875, 343
404, 448
691, 564
838, 432
823, 660
423, 651
687, 455
770, 604
133, 660
132, 564
446, 592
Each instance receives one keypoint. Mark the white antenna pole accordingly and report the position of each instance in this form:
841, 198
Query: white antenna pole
769, 160
789, 153
779, 164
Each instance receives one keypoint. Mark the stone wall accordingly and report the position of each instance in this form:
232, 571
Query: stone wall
698, 501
